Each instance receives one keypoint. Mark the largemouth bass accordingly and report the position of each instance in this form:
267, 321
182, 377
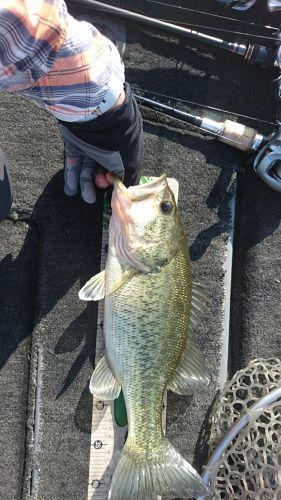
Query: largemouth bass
150, 306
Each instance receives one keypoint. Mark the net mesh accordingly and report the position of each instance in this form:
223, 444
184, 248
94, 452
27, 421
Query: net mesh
251, 466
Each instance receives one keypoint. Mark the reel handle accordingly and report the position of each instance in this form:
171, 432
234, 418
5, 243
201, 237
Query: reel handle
267, 163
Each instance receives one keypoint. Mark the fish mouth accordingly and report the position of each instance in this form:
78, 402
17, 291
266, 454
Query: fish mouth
141, 191
123, 197
118, 184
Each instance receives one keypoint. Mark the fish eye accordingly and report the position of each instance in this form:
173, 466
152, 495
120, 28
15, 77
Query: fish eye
166, 207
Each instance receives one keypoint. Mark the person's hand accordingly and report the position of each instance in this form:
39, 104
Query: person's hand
88, 183
80, 171
103, 181
87, 187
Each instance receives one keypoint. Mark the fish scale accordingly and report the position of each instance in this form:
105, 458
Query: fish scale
153, 335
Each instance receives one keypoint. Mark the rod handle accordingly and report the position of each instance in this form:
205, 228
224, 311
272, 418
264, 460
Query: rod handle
239, 136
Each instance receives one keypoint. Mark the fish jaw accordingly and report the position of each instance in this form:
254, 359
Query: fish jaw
121, 203
120, 224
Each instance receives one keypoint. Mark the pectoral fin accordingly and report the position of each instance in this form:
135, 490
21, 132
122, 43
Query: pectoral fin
191, 375
103, 383
95, 288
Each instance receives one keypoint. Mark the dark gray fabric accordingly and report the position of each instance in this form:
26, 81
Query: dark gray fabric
119, 131
74, 147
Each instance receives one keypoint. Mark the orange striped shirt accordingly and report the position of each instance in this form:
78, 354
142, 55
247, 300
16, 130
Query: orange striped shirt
65, 65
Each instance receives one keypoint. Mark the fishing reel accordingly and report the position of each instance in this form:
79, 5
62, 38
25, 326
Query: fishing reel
276, 88
276, 84
272, 5
238, 4
267, 163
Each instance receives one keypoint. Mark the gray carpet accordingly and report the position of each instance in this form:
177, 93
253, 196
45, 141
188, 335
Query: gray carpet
50, 245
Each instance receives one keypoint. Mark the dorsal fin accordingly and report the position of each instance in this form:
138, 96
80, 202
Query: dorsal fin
198, 305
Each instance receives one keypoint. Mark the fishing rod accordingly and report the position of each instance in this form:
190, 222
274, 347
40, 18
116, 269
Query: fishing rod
267, 162
251, 52
213, 15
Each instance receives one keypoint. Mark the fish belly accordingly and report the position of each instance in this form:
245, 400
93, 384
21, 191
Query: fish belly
146, 330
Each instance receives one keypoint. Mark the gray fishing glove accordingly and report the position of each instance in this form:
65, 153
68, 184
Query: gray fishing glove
80, 171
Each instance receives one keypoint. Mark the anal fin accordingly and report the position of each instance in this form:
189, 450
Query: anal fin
191, 375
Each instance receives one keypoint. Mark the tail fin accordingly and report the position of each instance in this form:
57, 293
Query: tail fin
165, 473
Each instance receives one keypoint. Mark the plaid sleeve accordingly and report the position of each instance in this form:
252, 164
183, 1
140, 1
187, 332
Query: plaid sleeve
32, 33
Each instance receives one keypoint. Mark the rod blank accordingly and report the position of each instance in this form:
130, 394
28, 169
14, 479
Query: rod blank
163, 26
